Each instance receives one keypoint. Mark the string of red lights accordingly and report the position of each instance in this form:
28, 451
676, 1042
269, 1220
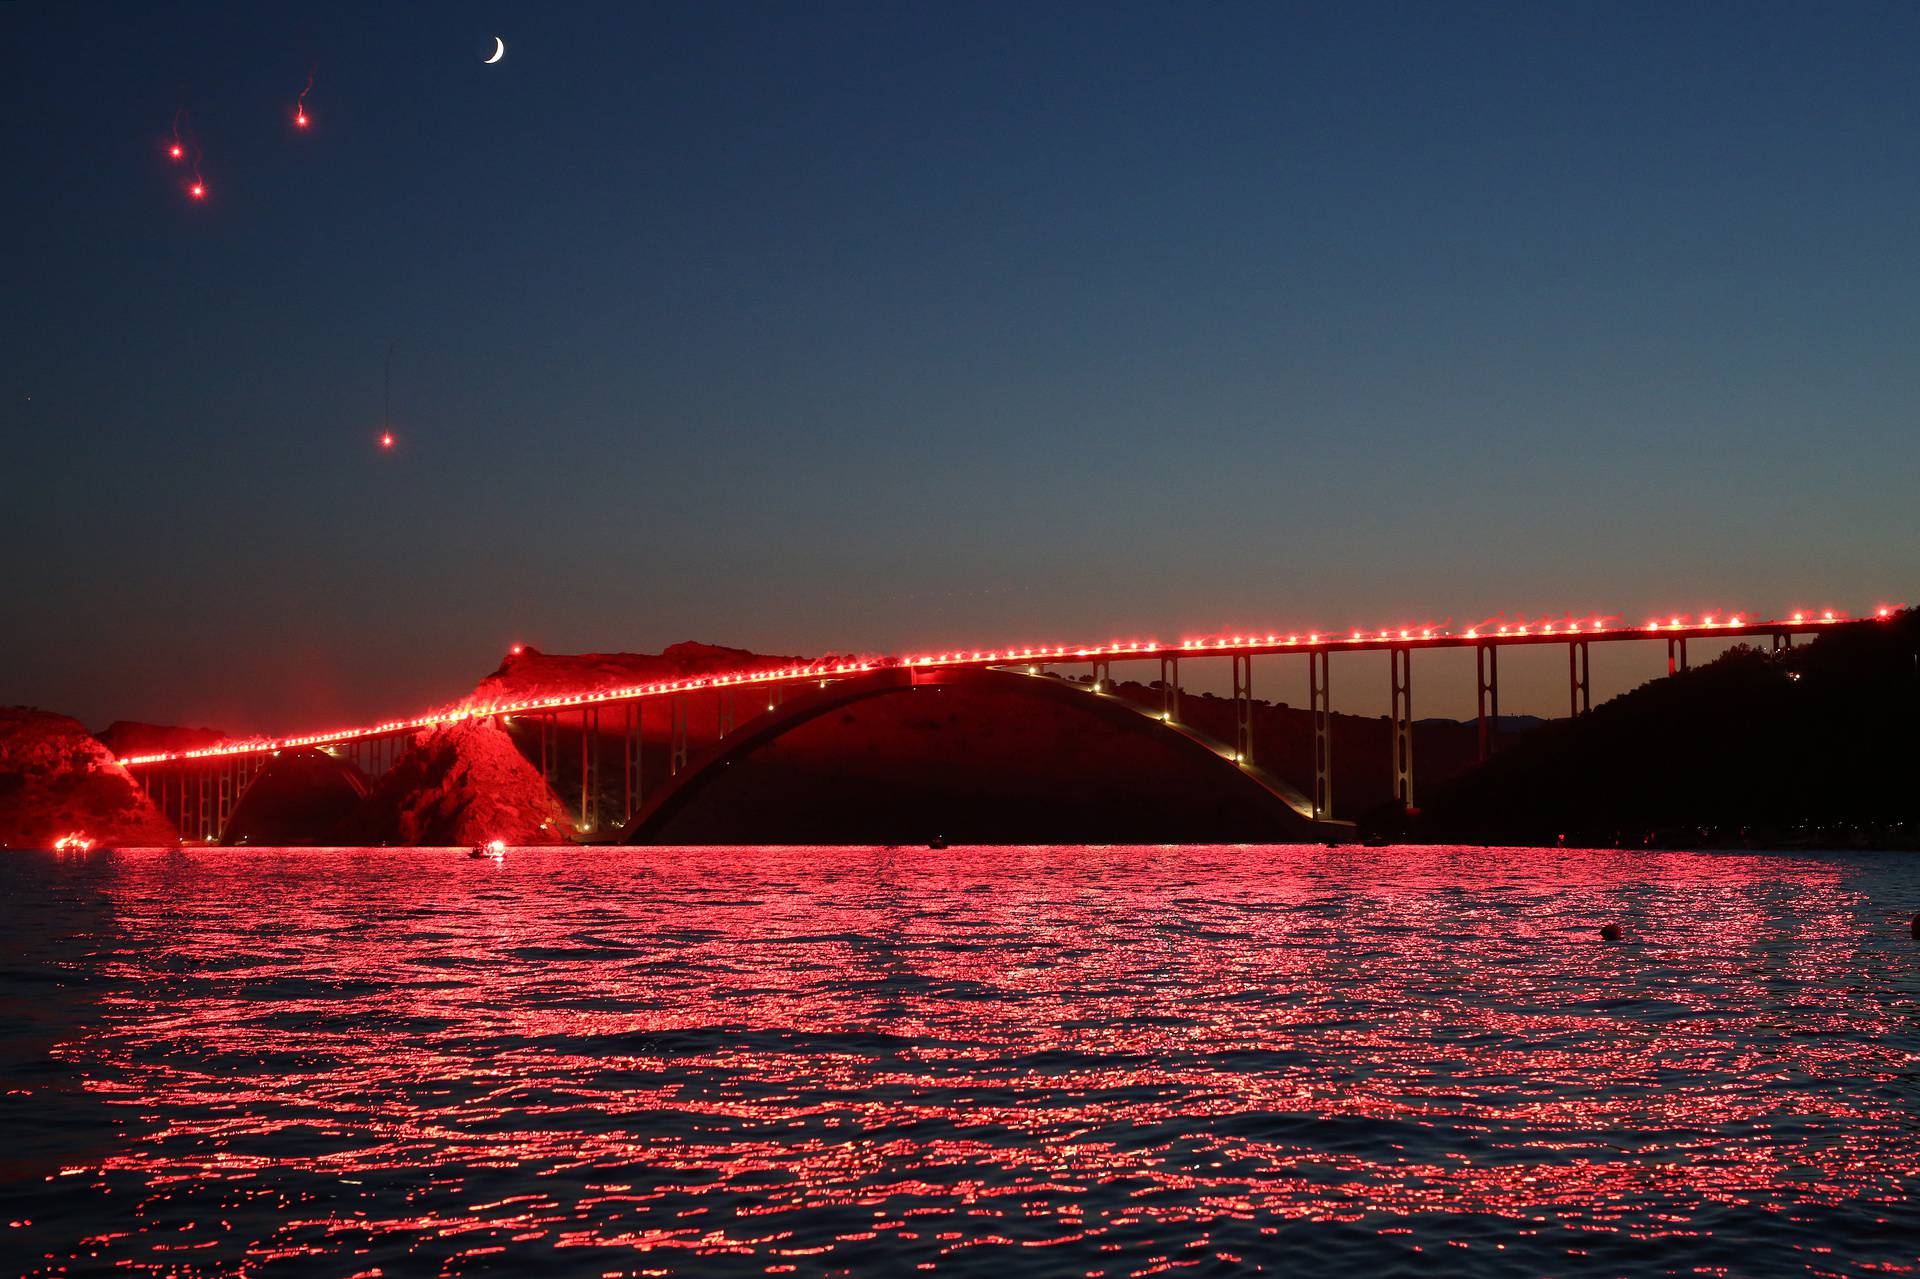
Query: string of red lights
1539, 630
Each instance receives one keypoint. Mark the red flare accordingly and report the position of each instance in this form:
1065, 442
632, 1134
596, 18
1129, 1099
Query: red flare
386, 439
198, 190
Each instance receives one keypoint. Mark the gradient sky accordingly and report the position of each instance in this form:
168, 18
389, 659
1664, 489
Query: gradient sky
862, 328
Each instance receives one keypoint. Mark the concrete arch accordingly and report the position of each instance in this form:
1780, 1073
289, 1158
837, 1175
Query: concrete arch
304, 796
1277, 810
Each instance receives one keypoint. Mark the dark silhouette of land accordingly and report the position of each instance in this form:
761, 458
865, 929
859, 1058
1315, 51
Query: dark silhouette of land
1812, 745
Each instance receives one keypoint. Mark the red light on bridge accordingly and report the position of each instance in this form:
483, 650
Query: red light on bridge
823, 672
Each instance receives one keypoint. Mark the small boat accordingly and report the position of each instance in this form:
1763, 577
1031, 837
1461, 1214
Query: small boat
938, 841
495, 848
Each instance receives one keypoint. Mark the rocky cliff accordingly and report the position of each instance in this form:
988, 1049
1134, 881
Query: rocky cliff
463, 783
57, 780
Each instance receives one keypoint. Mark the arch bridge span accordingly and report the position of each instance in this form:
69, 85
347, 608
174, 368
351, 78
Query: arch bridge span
198, 789
1287, 812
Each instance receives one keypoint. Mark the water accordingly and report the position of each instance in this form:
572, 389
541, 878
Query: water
1045, 1061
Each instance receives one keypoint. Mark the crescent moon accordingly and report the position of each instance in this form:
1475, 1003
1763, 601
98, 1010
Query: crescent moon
499, 51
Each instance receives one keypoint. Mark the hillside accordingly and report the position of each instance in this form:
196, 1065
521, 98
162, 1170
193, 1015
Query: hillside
56, 780
1813, 743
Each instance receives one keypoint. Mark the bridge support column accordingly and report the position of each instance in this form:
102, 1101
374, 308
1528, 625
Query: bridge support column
1676, 653
1102, 675
1579, 694
723, 711
1782, 639
1242, 707
629, 766
1487, 667
1170, 689
589, 743
677, 708
1400, 667
1320, 698
546, 750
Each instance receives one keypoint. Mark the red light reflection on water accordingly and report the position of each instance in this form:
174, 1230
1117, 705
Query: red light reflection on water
1135, 1060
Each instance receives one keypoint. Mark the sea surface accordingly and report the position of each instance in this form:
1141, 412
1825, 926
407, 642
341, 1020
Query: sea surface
1014, 1061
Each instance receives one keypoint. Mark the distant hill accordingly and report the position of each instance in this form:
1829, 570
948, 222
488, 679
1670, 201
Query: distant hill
1815, 744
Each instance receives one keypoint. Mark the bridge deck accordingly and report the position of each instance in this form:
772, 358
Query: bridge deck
1486, 636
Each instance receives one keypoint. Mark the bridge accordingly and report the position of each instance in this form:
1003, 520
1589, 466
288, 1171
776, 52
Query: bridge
199, 790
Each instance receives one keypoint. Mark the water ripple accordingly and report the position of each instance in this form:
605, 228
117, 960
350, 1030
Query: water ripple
1085, 1061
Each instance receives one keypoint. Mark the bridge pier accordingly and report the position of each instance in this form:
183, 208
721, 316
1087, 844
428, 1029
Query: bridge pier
1676, 653
1578, 681
677, 757
723, 712
1242, 707
225, 805
630, 763
1102, 674
1487, 677
589, 752
1782, 639
1320, 696
1400, 669
1170, 689
547, 734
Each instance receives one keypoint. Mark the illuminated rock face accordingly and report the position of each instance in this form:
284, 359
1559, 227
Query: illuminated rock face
56, 781
130, 737
463, 783
531, 673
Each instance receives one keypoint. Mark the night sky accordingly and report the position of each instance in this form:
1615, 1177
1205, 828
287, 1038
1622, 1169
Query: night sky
863, 328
